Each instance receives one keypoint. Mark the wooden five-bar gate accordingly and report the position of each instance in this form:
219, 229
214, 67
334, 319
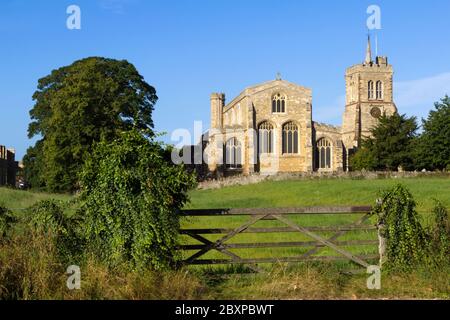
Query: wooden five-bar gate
282, 215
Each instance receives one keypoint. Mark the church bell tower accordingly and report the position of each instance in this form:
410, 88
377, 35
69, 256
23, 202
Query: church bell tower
369, 94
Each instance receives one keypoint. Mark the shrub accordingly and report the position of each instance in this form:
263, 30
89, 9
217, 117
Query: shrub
131, 194
364, 159
406, 239
439, 234
48, 218
6, 221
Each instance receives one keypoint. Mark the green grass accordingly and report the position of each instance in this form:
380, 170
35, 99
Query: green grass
325, 192
313, 280
21, 199
284, 194
299, 281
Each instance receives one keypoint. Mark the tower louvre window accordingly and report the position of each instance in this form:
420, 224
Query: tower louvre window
379, 88
370, 90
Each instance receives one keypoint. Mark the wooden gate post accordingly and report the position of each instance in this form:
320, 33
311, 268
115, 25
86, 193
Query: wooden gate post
381, 239
381, 243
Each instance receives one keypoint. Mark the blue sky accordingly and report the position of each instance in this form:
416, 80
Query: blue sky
188, 49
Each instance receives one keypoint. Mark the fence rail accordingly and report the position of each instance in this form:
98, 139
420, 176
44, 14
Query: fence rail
280, 211
281, 215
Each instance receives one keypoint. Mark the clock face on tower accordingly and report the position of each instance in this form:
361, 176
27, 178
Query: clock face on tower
375, 112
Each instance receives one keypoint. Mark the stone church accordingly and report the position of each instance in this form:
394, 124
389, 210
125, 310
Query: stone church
268, 128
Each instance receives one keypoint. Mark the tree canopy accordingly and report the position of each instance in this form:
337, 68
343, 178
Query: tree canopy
433, 146
390, 145
394, 142
77, 105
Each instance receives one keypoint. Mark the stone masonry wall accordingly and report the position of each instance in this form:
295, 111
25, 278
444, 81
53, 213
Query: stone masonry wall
257, 178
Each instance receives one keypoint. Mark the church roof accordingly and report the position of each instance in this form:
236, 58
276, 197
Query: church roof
274, 83
268, 85
327, 127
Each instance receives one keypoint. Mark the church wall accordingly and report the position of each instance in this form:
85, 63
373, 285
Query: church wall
332, 134
298, 110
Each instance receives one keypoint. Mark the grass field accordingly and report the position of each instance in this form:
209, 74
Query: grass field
284, 193
19, 199
315, 280
298, 281
327, 192
320, 192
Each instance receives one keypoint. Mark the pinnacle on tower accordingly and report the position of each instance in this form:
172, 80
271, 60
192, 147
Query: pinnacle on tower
368, 52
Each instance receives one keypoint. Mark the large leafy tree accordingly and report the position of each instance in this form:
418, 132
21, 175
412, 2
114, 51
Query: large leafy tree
433, 146
390, 145
76, 106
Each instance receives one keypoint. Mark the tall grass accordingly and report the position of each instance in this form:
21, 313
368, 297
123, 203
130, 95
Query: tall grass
326, 281
31, 267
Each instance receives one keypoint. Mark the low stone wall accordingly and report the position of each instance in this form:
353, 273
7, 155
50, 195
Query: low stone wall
257, 178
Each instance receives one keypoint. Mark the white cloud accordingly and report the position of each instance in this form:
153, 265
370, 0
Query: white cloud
412, 97
417, 97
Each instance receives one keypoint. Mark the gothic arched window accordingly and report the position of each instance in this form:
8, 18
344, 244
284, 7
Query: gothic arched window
370, 89
290, 138
278, 103
379, 87
265, 135
323, 154
233, 154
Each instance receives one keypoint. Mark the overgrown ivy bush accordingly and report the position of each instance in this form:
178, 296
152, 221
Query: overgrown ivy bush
409, 244
7, 220
49, 217
131, 194
405, 237
439, 235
